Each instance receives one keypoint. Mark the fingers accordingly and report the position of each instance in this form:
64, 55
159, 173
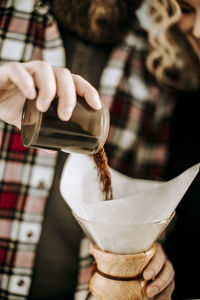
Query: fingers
68, 85
52, 80
17, 74
45, 82
166, 294
164, 278
37, 79
161, 273
87, 91
66, 93
155, 264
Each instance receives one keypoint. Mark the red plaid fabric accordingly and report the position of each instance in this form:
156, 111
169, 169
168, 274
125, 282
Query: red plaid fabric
136, 146
140, 113
27, 31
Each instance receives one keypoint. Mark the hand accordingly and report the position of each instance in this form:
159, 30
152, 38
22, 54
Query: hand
161, 273
19, 81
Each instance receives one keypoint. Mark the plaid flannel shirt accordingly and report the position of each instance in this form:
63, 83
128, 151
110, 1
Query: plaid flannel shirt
136, 145
140, 111
27, 32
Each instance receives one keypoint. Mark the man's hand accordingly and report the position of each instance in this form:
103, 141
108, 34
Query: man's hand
160, 272
41, 81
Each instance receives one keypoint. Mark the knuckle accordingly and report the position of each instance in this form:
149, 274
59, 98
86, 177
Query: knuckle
39, 64
161, 284
65, 72
62, 73
78, 77
80, 80
12, 66
43, 64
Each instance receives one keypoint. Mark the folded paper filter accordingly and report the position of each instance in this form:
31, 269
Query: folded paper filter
140, 211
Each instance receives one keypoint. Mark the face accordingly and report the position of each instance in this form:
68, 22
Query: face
189, 23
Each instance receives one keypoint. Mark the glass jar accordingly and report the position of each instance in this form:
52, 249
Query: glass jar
85, 132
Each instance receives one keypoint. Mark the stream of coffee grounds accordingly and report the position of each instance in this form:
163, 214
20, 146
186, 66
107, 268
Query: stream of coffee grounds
101, 162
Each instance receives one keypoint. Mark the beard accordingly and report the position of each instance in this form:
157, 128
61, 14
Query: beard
98, 21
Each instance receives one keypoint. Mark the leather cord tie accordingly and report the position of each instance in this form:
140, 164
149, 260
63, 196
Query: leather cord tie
137, 277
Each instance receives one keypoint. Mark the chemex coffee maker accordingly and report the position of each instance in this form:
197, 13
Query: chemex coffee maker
122, 232
117, 273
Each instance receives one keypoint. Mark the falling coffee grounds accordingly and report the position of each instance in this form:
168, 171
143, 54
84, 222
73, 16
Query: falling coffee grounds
101, 162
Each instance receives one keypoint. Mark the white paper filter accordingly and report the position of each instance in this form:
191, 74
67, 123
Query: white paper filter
134, 219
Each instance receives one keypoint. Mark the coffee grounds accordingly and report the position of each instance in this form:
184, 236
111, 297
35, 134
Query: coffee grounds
101, 162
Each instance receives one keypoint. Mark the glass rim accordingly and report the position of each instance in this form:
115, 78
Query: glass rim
137, 224
105, 128
31, 141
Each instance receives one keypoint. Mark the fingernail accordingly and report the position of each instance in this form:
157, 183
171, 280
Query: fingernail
42, 106
98, 103
152, 291
148, 274
67, 113
32, 93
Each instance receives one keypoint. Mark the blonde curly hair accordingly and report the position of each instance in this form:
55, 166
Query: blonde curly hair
171, 59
